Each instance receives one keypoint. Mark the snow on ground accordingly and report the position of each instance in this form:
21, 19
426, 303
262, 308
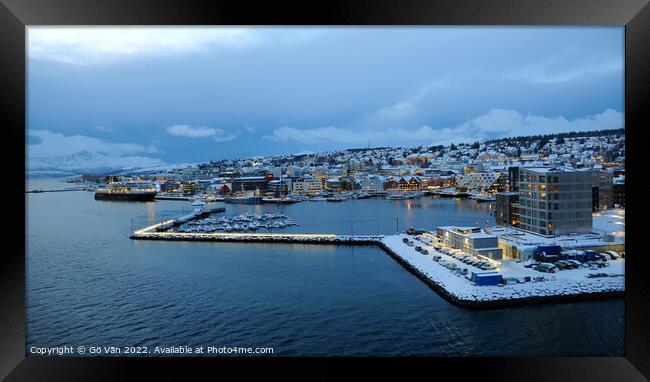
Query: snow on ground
610, 221
566, 282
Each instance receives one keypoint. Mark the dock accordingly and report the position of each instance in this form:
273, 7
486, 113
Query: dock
164, 197
164, 226
38, 191
304, 238
452, 286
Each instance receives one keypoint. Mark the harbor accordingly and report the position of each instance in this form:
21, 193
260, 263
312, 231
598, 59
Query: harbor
454, 275
305, 281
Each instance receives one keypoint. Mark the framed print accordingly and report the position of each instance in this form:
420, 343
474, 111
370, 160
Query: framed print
370, 185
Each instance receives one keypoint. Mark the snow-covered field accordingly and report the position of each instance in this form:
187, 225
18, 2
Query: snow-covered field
563, 283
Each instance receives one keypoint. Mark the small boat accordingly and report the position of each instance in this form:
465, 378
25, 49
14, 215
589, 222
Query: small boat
198, 202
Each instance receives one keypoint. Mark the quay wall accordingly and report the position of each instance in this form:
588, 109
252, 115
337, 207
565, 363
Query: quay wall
494, 304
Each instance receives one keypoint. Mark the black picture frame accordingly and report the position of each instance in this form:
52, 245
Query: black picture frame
15, 15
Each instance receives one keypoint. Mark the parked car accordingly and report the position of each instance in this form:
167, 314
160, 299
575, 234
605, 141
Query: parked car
413, 231
405, 240
424, 252
595, 275
418, 248
410, 243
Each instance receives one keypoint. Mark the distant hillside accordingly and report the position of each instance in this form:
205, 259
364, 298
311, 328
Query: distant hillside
547, 137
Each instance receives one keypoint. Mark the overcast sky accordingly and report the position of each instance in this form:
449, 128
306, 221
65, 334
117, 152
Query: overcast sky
172, 95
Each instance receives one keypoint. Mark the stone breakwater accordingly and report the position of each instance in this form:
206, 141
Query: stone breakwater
259, 237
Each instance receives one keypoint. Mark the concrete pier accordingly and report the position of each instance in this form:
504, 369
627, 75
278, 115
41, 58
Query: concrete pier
452, 287
151, 233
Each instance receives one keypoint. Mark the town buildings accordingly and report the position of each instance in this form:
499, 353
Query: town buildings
471, 240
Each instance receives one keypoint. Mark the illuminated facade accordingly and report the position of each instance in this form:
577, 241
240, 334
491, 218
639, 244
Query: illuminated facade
554, 201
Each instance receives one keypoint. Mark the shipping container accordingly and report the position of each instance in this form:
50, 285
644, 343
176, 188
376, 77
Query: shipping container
549, 249
487, 278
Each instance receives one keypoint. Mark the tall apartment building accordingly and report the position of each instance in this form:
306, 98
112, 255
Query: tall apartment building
555, 201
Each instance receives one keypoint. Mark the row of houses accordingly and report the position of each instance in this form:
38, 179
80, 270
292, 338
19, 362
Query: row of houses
306, 185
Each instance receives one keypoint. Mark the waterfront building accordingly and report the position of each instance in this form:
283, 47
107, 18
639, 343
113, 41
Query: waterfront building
555, 201
188, 188
390, 184
306, 186
249, 183
171, 186
349, 183
201, 185
372, 183
409, 183
430, 183
278, 188
479, 181
507, 209
471, 240
333, 184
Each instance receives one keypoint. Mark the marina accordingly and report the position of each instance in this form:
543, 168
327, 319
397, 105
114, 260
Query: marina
246, 221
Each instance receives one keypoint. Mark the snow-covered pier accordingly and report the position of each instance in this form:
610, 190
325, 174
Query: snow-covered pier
150, 233
563, 286
525, 286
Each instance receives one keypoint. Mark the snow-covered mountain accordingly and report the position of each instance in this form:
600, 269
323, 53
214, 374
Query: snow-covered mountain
92, 162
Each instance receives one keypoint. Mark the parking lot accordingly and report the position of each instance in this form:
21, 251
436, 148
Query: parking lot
462, 263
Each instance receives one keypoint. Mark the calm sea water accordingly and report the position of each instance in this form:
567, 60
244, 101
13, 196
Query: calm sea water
89, 284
